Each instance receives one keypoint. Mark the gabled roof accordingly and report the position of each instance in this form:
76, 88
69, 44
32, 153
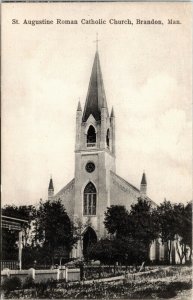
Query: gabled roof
65, 188
126, 182
133, 188
96, 98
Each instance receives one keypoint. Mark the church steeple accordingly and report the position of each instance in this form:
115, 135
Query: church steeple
143, 187
112, 113
79, 106
50, 189
96, 98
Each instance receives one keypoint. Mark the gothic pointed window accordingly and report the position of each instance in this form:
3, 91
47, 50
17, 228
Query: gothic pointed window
89, 207
91, 137
108, 138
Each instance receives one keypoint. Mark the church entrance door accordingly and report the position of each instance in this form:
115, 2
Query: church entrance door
89, 238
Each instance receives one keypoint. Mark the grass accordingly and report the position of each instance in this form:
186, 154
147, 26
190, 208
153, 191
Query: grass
165, 283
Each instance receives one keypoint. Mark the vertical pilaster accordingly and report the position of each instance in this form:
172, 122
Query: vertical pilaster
103, 128
78, 127
112, 120
20, 250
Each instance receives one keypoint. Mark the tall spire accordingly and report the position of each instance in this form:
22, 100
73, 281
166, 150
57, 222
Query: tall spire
143, 180
143, 186
112, 112
79, 106
96, 98
96, 41
50, 189
51, 186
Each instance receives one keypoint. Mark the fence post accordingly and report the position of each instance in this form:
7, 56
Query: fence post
66, 274
20, 250
31, 273
7, 271
58, 274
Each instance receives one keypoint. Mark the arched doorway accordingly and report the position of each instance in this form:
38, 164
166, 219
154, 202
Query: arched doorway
89, 238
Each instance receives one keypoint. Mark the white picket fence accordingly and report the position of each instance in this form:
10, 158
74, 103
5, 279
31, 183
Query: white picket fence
62, 273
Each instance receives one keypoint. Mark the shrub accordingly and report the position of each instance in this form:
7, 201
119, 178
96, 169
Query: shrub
11, 284
29, 283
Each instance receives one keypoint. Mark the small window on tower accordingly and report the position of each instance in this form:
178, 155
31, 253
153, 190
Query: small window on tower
108, 138
91, 137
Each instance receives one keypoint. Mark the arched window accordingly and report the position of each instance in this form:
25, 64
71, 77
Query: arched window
91, 137
108, 137
89, 199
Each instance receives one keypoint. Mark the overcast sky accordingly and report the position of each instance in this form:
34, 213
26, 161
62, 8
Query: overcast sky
147, 77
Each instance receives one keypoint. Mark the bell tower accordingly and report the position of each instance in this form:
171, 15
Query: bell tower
94, 153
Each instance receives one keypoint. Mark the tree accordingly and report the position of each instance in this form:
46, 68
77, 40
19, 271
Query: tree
133, 231
143, 221
183, 227
54, 229
144, 226
116, 220
9, 246
188, 227
167, 224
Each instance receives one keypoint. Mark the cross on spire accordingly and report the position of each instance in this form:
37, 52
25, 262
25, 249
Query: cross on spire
96, 41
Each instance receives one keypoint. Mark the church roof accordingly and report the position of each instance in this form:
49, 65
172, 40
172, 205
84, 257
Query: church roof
51, 186
143, 180
96, 98
126, 182
68, 186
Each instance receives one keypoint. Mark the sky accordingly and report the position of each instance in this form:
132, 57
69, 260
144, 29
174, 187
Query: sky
147, 77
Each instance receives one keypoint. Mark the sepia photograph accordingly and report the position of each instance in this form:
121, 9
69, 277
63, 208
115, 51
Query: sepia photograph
96, 150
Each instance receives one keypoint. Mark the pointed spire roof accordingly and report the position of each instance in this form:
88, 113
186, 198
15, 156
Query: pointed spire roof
96, 98
112, 112
79, 106
143, 180
51, 186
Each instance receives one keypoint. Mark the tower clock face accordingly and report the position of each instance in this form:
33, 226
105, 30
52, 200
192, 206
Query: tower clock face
90, 167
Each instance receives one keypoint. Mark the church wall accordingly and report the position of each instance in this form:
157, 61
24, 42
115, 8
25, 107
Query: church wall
82, 177
66, 195
121, 193
100, 178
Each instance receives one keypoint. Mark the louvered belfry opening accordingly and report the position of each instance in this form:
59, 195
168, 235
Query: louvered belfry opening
91, 137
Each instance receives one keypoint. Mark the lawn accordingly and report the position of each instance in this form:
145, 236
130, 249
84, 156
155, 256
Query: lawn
165, 283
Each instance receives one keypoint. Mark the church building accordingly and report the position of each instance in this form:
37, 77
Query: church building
95, 185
